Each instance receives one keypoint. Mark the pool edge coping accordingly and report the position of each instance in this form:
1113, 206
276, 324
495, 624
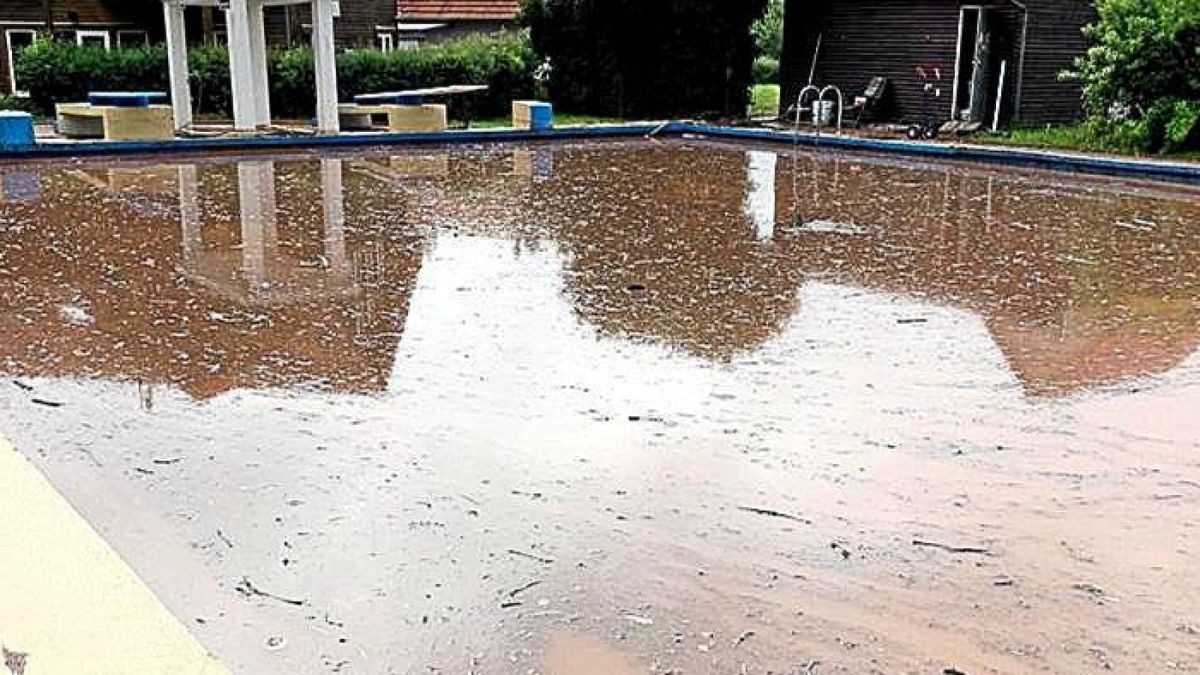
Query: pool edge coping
1068, 162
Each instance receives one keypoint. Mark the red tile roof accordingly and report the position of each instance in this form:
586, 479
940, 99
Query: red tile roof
446, 10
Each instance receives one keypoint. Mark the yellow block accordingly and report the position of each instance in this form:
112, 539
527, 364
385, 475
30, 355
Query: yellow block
68, 602
154, 123
428, 117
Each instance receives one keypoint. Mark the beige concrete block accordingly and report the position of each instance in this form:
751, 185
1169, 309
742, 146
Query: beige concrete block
154, 123
417, 118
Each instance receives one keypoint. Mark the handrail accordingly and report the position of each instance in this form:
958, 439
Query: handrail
800, 104
840, 104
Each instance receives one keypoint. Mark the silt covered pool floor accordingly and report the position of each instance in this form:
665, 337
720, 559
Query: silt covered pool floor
621, 407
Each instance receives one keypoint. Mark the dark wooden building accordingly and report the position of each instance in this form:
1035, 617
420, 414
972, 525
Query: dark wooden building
959, 49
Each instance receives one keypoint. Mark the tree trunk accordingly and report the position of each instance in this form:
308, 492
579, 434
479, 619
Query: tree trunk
48, 15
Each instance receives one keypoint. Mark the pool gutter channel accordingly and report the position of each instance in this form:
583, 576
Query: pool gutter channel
1174, 172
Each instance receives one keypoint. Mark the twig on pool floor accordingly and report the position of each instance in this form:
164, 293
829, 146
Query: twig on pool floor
521, 589
523, 554
951, 549
247, 588
775, 514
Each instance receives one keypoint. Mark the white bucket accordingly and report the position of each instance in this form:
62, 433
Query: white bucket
823, 112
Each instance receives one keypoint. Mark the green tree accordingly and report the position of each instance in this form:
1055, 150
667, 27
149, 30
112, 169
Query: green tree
768, 30
1141, 76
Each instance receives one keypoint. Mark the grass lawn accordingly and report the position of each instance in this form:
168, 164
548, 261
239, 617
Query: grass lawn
1070, 137
764, 100
560, 119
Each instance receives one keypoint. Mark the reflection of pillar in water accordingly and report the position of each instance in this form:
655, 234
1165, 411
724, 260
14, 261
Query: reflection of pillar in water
760, 192
189, 214
335, 219
256, 199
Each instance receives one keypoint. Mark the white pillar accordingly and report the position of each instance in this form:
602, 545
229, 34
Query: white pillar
326, 66
258, 62
177, 63
241, 65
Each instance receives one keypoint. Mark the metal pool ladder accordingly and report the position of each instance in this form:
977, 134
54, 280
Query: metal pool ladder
816, 110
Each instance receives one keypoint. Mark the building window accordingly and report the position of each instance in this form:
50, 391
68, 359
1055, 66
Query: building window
93, 38
132, 38
17, 39
386, 42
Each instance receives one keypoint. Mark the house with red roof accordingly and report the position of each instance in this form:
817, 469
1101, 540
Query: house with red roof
420, 21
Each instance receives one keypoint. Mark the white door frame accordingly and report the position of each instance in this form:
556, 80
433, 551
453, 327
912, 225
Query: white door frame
962, 12
12, 65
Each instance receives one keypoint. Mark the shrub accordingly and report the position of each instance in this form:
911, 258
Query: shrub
56, 72
646, 58
766, 70
1141, 76
15, 103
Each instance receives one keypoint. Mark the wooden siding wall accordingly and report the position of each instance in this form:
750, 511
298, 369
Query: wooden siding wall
861, 39
865, 38
1054, 39
355, 28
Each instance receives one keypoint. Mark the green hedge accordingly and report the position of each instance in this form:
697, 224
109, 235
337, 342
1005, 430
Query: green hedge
56, 72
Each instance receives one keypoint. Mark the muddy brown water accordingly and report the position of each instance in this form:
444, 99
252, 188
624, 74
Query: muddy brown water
627, 407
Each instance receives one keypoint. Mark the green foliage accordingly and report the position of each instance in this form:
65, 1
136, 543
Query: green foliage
56, 72
15, 103
1141, 76
768, 31
766, 70
505, 64
646, 58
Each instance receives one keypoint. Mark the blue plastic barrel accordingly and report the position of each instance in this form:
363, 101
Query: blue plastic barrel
541, 116
16, 130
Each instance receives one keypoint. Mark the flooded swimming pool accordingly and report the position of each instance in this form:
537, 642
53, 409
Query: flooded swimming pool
621, 407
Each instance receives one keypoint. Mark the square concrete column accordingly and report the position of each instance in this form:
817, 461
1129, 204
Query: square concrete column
258, 62
326, 66
243, 81
177, 63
